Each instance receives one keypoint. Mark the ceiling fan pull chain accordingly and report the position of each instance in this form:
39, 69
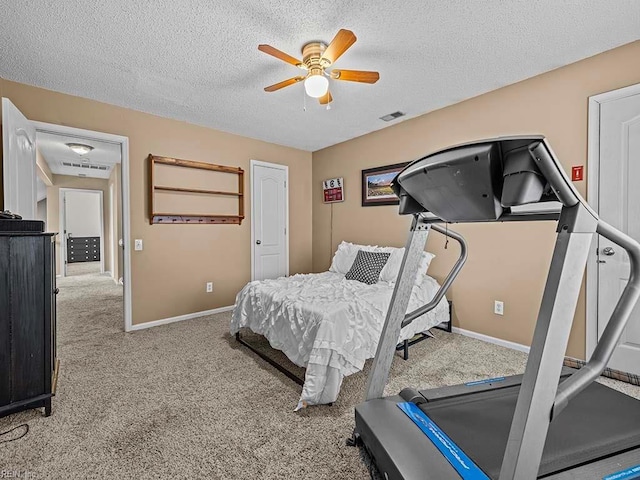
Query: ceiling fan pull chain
304, 101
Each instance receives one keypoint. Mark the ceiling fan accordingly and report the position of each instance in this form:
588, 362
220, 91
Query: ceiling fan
316, 59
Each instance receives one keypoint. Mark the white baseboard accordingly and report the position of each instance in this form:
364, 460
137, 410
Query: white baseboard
496, 341
188, 316
110, 275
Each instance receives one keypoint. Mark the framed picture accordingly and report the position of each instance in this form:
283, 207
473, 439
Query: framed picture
376, 185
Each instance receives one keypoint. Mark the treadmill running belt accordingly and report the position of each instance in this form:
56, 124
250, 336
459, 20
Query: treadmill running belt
597, 423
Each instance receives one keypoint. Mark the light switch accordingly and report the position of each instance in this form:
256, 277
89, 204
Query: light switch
138, 244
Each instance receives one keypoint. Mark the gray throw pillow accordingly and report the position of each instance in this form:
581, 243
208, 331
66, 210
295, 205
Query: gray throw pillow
367, 266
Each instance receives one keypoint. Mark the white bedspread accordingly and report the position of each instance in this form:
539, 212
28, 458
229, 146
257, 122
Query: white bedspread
327, 324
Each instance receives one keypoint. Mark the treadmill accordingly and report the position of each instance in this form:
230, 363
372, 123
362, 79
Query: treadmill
551, 422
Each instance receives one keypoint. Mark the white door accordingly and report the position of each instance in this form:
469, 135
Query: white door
19, 162
619, 205
269, 217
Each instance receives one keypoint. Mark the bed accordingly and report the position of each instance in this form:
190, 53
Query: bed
328, 323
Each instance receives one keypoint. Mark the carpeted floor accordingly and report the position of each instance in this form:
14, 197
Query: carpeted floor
83, 268
186, 401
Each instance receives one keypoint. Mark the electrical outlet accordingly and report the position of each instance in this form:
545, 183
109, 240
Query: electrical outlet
498, 307
138, 244
209, 287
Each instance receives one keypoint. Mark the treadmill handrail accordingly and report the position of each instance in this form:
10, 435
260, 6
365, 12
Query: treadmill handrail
455, 270
605, 348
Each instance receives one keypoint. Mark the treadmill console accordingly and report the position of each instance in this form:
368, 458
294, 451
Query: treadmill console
478, 182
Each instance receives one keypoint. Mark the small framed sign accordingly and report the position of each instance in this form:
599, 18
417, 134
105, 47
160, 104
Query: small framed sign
333, 190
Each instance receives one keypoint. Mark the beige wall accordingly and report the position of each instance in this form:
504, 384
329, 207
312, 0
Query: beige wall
169, 276
53, 206
507, 262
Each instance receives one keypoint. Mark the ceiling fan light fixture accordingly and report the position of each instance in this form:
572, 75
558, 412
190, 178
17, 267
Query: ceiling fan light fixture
316, 86
317, 57
80, 148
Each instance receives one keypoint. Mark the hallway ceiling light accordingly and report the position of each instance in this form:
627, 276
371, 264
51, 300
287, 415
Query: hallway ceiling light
80, 148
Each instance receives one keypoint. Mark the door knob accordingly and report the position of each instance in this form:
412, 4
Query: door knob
258, 242
608, 251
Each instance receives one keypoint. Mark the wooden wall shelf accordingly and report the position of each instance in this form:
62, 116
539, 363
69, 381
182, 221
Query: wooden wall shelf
191, 218
197, 190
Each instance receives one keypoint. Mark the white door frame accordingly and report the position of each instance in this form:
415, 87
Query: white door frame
112, 233
593, 197
126, 201
285, 168
62, 223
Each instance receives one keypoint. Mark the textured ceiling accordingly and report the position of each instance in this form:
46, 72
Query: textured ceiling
198, 60
95, 164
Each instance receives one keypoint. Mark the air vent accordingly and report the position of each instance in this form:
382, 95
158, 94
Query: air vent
92, 166
392, 116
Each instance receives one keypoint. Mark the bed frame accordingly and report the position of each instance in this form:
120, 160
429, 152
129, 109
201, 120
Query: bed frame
404, 346
288, 373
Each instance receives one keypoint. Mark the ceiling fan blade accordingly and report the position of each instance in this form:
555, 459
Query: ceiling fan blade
340, 43
268, 49
326, 98
361, 76
284, 83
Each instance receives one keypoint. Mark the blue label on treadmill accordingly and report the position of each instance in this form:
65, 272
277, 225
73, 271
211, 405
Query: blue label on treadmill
628, 474
482, 382
454, 455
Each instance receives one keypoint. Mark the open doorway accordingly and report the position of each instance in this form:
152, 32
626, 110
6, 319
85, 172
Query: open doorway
82, 181
82, 226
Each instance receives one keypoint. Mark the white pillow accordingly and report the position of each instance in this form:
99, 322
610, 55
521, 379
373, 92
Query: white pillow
347, 251
391, 269
343, 258
425, 261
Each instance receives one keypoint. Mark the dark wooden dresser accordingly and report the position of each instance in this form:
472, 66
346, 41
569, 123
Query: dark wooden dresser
83, 249
28, 362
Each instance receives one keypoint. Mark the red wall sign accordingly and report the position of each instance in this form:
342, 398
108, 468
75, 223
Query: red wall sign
577, 173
